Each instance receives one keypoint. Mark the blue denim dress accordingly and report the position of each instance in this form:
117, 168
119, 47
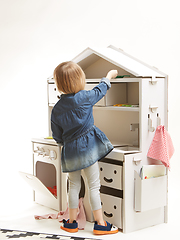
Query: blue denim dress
72, 125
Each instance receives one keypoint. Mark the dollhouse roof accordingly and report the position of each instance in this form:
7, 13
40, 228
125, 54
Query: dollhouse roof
118, 58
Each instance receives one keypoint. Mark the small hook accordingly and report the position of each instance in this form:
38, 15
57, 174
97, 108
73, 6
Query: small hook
150, 127
158, 120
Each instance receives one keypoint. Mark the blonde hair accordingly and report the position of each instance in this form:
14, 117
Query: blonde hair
69, 77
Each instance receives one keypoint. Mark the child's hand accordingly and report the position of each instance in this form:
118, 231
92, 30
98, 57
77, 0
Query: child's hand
112, 74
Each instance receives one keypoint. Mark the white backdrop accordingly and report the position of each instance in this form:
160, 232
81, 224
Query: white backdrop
36, 35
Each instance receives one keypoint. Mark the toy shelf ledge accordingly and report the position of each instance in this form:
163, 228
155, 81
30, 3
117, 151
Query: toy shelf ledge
130, 109
116, 80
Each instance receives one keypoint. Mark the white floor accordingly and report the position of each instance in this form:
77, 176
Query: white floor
17, 212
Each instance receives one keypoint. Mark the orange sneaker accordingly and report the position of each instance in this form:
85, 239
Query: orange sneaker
102, 230
70, 227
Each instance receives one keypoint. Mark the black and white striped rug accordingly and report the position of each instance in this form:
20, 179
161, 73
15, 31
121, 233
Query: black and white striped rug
11, 234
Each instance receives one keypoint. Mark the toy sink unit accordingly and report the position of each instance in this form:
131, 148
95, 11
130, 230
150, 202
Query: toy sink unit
127, 149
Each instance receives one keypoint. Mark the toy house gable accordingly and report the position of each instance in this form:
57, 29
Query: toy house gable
96, 63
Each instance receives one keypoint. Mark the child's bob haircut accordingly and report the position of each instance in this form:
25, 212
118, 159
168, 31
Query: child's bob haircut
69, 77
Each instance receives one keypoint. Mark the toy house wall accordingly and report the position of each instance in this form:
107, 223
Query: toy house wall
100, 67
39, 34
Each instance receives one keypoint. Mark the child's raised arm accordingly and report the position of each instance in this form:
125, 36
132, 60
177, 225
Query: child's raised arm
112, 74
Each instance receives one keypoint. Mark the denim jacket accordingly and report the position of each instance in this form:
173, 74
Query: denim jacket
72, 125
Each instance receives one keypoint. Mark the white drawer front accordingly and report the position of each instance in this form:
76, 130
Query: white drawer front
111, 175
112, 209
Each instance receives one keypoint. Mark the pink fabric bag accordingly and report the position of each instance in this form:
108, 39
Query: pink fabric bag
81, 217
161, 147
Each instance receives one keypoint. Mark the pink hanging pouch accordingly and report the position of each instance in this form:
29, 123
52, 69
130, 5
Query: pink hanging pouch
161, 147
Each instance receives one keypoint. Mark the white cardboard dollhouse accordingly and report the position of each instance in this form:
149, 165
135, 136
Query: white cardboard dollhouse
129, 114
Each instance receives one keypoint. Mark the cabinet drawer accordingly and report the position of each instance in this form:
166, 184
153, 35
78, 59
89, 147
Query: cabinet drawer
112, 209
53, 93
111, 175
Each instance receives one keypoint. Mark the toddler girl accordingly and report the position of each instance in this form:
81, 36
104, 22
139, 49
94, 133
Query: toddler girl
72, 125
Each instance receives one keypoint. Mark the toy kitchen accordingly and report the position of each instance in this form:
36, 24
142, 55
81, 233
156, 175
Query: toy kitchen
129, 114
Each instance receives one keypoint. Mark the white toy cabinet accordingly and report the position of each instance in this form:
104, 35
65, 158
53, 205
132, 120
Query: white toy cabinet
129, 114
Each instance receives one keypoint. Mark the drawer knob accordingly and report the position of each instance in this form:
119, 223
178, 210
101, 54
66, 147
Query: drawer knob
52, 155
